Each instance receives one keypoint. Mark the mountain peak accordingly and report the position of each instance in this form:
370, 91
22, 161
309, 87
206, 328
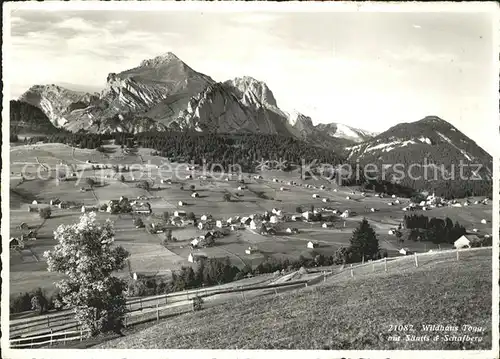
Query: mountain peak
165, 58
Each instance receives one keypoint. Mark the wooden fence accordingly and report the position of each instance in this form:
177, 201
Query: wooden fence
50, 329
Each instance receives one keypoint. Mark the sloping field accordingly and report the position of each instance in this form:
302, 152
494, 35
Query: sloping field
346, 313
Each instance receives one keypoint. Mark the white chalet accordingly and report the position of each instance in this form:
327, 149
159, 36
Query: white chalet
405, 251
253, 225
307, 215
179, 213
312, 244
462, 242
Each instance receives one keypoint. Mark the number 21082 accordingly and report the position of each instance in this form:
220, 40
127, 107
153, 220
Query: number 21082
400, 328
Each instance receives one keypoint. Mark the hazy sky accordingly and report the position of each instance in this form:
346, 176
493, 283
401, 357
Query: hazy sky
367, 70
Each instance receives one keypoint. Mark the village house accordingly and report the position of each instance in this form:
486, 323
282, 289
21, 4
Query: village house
405, 251
315, 195
23, 226
142, 208
325, 200
218, 224
176, 221
193, 258
483, 221
327, 225
465, 241
206, 217
195, 195
194, 243
85, 209
345, 214
307, 215
30, 236
253, 225
273, 219
246, 220
282, 188
311, 244
16, 243
180, 203
203, 225
180, 213
250, 250
373, 209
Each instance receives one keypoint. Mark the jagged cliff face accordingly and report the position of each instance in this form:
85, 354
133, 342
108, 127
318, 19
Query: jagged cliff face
165, 92
239, 105
55, 101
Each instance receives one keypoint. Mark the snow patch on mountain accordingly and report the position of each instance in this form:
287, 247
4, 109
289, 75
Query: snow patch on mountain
386, 147
466, 155
425, 140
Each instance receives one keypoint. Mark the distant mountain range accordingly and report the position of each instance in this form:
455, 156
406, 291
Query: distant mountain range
165, 92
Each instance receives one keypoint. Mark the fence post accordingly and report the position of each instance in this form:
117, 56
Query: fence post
373, 266
385, 264
81, 330
157, 313
363, 262
140, 302
51, 337
48, 321
416, 260
352, 273
457, 255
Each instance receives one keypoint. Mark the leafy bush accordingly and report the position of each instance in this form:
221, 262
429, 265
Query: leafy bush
138, 223
45, 213
34, 300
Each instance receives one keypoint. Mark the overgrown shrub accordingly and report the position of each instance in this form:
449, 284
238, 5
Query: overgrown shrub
45, 212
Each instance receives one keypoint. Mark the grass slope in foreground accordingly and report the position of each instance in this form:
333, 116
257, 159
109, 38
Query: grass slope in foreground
343, 314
